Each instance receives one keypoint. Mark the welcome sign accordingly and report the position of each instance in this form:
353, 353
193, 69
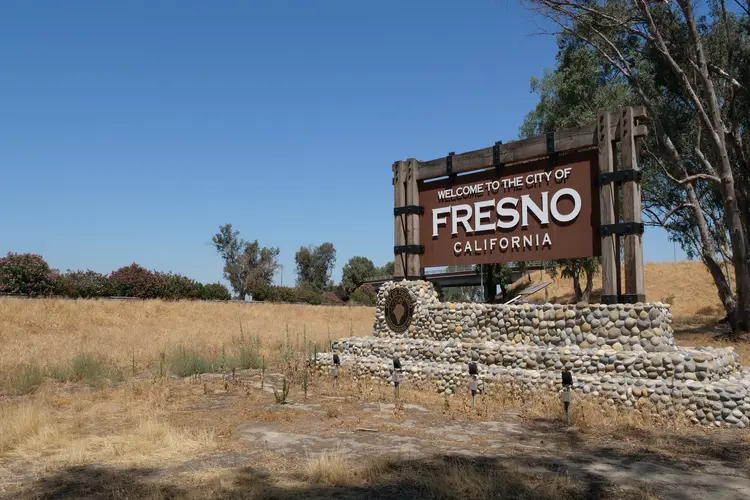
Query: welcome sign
529, 211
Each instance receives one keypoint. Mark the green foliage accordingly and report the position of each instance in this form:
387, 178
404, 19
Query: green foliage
83, 285
577, 270
247, 351
385, 270
305, 382
87, 369
315, 265
281, 395
185, 362
213, 291
136, 281
365, 295
296, 295
355, 272
24, 380
177, 287
247, 266
26, 274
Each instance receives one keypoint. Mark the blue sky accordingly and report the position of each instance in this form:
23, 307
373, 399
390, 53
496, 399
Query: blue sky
131, 130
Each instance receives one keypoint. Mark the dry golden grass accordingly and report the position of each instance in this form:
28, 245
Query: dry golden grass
687, 284
132, 334
442, 477
147, 422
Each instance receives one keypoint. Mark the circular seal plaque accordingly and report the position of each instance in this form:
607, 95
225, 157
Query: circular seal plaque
399, 308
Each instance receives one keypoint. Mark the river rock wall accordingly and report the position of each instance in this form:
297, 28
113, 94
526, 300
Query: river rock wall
622, 354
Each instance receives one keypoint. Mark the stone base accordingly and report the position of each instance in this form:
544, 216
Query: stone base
725, 401
622, 353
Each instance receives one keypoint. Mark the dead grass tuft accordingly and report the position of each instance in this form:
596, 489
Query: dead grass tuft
19, 422
330, 467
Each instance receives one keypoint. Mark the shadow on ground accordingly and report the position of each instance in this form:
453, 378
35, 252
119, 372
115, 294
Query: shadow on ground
445, 476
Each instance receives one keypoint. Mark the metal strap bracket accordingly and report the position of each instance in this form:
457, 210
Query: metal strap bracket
551, 153
621, 228
410, 249
449, 166
499, 165
620, 176
408, 210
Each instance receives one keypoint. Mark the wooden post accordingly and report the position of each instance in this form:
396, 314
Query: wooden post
399, 225
607, 210
413, 267
634, 288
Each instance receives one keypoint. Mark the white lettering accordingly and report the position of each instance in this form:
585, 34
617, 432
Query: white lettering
503, 243
576, 205
527, 240
540, 213
483, 215
515, 242
506, 212
546, 241
468, 248
463, 219
457, 248
437, 220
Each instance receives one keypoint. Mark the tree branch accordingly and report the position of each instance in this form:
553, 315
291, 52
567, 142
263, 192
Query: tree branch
663, 220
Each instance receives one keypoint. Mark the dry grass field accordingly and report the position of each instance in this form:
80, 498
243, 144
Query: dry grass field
108, 399
687, 286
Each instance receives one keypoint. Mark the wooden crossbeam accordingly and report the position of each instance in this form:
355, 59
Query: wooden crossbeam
526, 149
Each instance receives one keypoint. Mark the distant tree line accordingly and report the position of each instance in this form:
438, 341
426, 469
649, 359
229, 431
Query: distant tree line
30, 275
250, 268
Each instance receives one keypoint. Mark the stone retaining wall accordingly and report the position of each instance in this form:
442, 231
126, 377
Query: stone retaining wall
682, 363
628, 327
620, 354
726, 401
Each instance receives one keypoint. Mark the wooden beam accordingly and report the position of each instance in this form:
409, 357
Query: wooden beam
607, 209
634, 285
399, 221
413, 267
523, 150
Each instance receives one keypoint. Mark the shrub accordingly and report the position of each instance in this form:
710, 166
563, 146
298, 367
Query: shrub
332, 298
214, 291
26, 274
292, 295
365, 295
176, 287
89, 369
248, 356
24, 380
83, 285
184, 362
137, 281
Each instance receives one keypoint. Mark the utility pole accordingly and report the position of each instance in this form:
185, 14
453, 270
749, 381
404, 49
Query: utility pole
281, 266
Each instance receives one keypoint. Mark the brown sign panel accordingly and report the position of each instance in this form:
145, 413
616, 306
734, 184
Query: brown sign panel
532, 211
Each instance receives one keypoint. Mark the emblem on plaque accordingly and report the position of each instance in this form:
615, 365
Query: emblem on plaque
399, 308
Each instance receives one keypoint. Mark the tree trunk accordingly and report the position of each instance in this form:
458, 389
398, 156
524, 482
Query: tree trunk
713, 120
577, 286
708, 255
586, 296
